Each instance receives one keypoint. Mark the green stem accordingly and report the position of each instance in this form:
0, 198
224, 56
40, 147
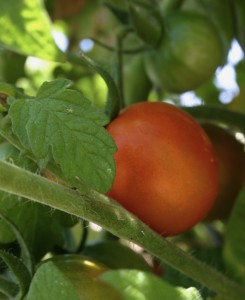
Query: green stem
124, 51
119, 55
119, 59
114, 100
101, 210
84, 236
222, 115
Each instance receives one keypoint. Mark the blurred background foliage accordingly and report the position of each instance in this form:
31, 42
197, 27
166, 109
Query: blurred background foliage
80, 25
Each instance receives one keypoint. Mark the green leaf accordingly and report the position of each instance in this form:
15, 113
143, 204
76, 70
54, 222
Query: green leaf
8, 288
50, 283
36, 222
234, 251
25, 28
6, 149
10, 61
141, 286
147, 22
25, 252
211, 256
12, 154
7, 89
119, 8
61, 124
19, 271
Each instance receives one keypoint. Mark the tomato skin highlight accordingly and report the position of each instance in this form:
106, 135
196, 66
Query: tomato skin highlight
166, 170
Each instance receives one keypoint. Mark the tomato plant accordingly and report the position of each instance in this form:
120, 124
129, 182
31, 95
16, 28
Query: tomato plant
231, 160
164, 163
106, 190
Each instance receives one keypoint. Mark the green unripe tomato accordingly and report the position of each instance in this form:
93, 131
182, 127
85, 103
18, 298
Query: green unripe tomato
188, 54
84, 275
218, 11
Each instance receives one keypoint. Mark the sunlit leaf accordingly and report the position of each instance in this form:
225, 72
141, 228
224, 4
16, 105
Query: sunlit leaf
26, 28
50, 283
142, 286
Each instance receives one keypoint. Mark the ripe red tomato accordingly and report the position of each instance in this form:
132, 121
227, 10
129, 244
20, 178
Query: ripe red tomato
231, 162
166, 170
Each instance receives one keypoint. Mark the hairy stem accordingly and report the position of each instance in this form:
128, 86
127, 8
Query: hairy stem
99, 209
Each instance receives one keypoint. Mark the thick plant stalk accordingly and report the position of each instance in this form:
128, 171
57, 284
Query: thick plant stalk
97, 208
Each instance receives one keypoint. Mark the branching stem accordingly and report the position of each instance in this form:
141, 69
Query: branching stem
97, 208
